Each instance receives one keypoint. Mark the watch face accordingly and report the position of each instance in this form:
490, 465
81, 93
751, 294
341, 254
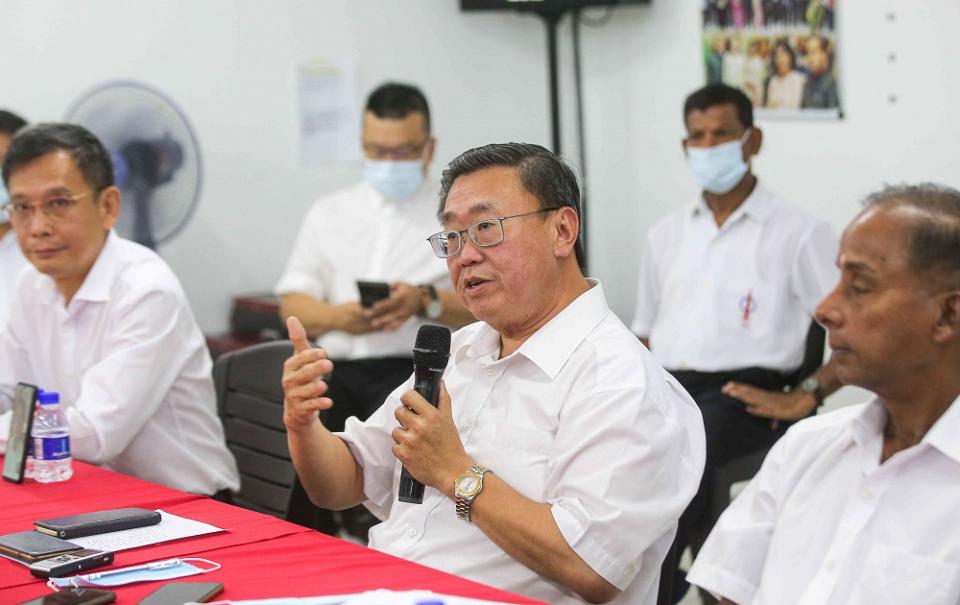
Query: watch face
468, 485
434, 309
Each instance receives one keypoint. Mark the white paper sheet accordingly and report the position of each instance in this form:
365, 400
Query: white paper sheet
171, 527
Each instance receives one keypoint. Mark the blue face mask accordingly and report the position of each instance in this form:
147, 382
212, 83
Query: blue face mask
148, 572
718, 169
394, 179
4, 198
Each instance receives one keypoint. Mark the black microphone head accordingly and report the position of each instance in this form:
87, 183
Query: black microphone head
433, 346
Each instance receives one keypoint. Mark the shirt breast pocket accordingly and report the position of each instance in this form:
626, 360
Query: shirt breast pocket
896, 576
747, 310
518, 455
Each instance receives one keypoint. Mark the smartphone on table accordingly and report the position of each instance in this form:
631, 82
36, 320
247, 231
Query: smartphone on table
70, 563
79, 596
178, 593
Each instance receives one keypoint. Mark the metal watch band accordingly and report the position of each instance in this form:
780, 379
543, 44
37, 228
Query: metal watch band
465, 504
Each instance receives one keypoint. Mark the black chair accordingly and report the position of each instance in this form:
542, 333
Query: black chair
250, 406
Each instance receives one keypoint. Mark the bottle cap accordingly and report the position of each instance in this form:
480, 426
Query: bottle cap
48, 397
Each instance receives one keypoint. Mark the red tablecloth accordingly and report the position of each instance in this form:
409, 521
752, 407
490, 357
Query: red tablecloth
261, 556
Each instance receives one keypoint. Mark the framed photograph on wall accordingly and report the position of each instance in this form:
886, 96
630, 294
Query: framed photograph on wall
781, 53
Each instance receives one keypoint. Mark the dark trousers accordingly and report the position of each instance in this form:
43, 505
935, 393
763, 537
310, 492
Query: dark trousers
731, 433
357, 388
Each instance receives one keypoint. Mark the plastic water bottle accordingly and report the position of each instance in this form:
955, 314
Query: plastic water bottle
51, 441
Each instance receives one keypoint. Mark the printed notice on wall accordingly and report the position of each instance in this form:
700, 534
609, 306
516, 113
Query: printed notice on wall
782, 54
329, 112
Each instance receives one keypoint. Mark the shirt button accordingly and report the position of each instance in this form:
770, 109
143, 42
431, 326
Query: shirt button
491, 372
467, 425
867, 494
412, 532
831, 565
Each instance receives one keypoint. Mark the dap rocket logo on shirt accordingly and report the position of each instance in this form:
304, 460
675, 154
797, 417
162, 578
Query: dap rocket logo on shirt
748, 306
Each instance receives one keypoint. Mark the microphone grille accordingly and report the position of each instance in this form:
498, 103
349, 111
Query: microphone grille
433, 343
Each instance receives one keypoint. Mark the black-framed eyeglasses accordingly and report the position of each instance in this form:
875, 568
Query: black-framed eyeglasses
54, 209
485, 233
409, 151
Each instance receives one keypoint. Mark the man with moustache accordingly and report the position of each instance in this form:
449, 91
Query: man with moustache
859, 506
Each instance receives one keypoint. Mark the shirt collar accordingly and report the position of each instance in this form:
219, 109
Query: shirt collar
758, 206
550, 346
96, 286
943, 434
871, 420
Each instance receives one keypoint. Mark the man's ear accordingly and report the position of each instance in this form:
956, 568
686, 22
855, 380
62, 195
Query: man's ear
947, 326
567, 229
754, 142
109, 207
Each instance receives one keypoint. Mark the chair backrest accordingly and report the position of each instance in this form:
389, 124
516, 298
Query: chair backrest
813, 351
250, 405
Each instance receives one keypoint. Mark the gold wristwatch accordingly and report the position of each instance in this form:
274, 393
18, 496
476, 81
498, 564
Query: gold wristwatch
466, 489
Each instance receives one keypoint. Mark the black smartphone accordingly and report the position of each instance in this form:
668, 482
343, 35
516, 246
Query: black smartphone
78, 596
21, 420
372, 291
178, 593
70, 562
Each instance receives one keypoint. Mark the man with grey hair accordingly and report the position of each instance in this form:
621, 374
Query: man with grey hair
859, 506
561, 454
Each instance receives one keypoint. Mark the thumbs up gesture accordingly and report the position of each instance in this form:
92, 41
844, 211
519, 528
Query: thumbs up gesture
303, 385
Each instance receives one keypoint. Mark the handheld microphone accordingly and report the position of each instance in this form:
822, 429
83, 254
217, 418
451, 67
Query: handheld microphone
430, 356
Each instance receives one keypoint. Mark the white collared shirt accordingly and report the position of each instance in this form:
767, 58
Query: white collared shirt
741, 295
131, 367
824, 523
581, 417
12, 264
356, 234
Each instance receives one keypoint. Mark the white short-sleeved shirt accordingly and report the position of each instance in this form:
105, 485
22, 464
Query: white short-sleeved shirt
581, 417
357, 234
824, 523
741, 295
131, 367
12, 264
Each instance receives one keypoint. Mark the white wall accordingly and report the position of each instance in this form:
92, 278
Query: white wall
229, 65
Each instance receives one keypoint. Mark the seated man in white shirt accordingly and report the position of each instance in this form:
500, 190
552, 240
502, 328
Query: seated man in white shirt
371, 231
859, 506
11, 259
593, 450
104, 322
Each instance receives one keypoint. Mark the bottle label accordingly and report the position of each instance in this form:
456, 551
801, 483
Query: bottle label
51, 448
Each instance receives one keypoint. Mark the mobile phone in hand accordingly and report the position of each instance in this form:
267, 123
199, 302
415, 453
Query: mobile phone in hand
372, 291
178, 593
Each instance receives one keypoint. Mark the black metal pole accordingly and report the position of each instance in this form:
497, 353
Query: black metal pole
551, 19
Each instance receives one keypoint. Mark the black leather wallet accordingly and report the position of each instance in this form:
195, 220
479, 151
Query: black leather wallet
100, 522
33, 546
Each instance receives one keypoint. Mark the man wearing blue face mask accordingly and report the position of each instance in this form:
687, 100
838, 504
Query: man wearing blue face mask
373, 231
12, 261
727, 291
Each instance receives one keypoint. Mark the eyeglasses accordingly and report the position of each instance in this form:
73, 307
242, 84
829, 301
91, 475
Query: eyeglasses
413, 151
485, 233
54, 210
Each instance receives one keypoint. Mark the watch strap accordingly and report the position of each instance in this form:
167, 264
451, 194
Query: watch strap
465, 504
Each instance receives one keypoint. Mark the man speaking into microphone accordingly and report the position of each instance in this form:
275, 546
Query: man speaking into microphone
560, 454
